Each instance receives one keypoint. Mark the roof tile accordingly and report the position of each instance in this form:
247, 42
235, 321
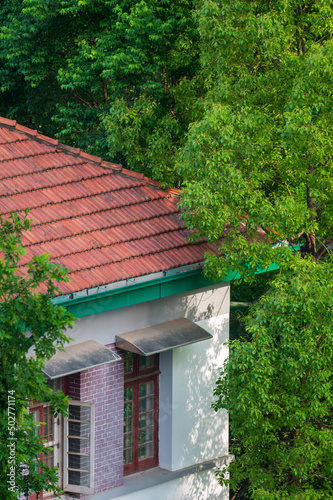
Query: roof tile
102, 221
27, 130
8, 136
113, 166
90, 157
132, 174
6, 121
55, 142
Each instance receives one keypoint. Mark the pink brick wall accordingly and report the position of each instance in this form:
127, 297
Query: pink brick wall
73, 386
104, 386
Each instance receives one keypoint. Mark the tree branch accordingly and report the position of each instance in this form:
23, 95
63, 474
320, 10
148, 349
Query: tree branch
323, 248
236, 493
105, 92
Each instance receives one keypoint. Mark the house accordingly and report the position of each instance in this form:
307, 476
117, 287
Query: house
148, 347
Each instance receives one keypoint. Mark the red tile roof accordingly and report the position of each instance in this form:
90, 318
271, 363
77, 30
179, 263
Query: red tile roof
104, 222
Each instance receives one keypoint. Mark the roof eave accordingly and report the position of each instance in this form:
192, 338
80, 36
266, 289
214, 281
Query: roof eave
144, 291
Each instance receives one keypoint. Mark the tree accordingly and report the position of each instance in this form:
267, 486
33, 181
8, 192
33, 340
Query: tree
261, 156
28, 321
118, 79
278, 388
258, 170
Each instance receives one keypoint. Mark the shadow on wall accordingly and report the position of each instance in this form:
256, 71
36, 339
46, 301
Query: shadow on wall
207, 304
103, 327
199, 486
199, 433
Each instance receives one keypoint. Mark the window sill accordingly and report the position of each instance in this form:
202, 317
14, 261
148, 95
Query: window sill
153, 477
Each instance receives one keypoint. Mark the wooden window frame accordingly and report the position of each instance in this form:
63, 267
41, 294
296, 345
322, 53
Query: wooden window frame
56, 445
63, 446
73, 488
134, 379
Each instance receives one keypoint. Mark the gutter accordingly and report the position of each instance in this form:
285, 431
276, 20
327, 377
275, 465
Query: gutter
137, 292
144, 291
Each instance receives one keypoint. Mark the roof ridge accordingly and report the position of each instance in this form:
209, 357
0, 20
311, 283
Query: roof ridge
109, 244
13, 125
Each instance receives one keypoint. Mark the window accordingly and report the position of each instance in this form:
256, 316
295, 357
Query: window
49, 433
79, 448
140, 412
52, 430
70, 443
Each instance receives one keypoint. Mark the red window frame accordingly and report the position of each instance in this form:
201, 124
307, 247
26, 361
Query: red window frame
134, 379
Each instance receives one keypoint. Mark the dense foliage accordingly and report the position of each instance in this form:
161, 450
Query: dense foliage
28, 320
278, 387
234, 97
259, 183
117, 78
261, 156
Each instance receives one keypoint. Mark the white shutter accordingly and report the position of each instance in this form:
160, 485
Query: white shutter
79, 448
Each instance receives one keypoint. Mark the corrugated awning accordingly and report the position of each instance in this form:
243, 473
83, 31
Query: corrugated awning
78, 357
162, 337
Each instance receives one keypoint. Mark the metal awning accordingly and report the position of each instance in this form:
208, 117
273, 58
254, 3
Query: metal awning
78, 357
162, 337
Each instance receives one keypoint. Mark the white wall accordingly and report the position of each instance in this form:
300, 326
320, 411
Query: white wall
198, 305
191, 432
198, 486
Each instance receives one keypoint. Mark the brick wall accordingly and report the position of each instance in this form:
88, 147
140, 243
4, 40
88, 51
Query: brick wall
73, 386
104, 386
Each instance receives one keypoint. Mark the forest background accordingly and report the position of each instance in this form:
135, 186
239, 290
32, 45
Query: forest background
230, 100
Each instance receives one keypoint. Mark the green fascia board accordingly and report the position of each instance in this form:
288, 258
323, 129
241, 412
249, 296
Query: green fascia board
138, 293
